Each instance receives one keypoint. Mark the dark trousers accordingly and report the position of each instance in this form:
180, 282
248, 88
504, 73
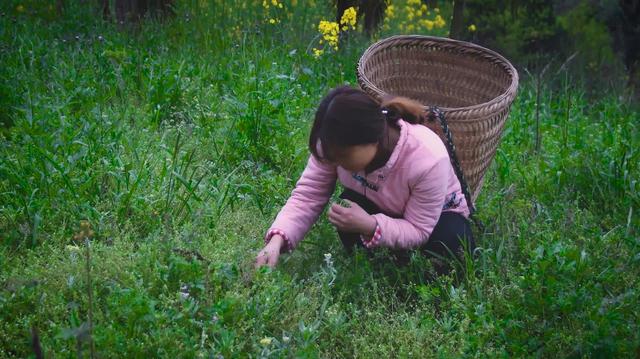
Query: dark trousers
450, 237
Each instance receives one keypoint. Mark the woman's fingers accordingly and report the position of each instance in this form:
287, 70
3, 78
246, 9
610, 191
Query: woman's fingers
334, 218
337, 209
272, 260
336, 221
264, 257
261, 260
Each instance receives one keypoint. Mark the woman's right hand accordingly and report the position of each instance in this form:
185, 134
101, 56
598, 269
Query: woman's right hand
270, 253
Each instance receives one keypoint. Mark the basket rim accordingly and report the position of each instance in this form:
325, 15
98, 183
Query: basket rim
510, 92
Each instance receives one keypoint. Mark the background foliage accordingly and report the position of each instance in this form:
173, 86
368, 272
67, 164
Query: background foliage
169, 144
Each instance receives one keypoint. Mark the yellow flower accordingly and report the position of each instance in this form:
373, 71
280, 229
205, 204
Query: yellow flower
272, 21
472, 27
20, 8
390, 12
317, 52
436, 10
349, 17
265, 341
329, 31
274, 2
265, 4
428, 24
439, 21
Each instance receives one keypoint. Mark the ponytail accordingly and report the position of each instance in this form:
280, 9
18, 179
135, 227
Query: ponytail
403, 107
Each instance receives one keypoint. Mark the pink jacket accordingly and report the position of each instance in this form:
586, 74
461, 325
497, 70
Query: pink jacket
416, 184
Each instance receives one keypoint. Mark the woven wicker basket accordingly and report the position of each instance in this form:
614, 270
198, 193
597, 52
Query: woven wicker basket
473, 86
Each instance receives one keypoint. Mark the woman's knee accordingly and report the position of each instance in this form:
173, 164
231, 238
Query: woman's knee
452, 235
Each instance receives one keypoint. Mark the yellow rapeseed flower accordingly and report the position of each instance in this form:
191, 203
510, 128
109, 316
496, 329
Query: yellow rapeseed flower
349, 18
272, 21
472, 27
439, 21
329, 31
429, 24
265, 341
389, 13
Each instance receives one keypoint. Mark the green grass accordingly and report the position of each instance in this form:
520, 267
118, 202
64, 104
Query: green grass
180, 141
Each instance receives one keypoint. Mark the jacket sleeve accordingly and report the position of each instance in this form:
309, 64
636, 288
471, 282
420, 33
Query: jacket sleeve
421, 213
307, 200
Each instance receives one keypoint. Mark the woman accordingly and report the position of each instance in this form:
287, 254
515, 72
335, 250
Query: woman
400, 187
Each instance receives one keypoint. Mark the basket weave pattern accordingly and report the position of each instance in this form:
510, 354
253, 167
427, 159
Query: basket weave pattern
473, 86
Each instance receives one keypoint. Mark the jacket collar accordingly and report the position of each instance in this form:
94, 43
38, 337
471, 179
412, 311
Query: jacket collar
404, 134
381, 173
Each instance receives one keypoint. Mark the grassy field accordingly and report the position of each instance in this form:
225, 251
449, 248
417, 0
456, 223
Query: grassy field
178, 143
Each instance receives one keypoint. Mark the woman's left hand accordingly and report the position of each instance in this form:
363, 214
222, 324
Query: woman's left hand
352, 219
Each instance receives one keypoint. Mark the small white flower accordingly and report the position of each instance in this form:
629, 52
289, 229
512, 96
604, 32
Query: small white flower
184, 292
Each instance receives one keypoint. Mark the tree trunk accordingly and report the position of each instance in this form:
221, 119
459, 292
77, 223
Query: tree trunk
134, 10
631, 42
60, 6
104, 8
123, 9
457, 24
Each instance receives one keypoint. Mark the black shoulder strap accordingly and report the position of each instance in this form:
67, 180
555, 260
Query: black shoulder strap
434, 113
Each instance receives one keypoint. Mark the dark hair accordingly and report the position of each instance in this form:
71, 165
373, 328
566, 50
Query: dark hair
348, 116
